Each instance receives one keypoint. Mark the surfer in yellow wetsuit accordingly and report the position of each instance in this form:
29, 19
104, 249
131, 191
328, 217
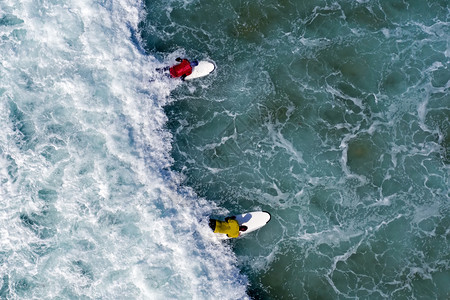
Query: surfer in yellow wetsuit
230, 227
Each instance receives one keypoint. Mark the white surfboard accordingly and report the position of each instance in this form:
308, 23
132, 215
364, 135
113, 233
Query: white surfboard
202, 69
253, 220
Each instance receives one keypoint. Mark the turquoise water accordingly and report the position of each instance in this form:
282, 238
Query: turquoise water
333, 116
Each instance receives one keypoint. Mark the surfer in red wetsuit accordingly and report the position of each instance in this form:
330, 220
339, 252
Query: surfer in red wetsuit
183, 69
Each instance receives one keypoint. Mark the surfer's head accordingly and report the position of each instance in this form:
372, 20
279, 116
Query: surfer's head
242, 228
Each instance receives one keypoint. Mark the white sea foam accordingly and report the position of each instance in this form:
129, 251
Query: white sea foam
89, 208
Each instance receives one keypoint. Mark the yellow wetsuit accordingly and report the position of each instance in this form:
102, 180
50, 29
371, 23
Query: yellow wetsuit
230, 228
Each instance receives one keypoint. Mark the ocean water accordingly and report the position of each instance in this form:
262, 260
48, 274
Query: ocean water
333, 116
89, 208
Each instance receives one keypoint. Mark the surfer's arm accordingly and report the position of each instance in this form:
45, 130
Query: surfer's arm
233, 237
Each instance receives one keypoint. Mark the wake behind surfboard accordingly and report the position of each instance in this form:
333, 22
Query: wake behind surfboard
253, 220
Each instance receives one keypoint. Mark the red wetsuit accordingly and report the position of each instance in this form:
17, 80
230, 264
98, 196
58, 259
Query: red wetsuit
184, 68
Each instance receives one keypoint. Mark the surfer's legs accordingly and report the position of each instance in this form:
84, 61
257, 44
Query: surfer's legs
162, 69
212, 224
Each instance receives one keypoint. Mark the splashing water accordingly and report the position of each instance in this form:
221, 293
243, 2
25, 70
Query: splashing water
89, 207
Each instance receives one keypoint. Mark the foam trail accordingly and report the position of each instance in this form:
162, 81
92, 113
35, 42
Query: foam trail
89, 207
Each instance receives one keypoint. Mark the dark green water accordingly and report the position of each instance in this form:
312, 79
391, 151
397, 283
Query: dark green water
333, 116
